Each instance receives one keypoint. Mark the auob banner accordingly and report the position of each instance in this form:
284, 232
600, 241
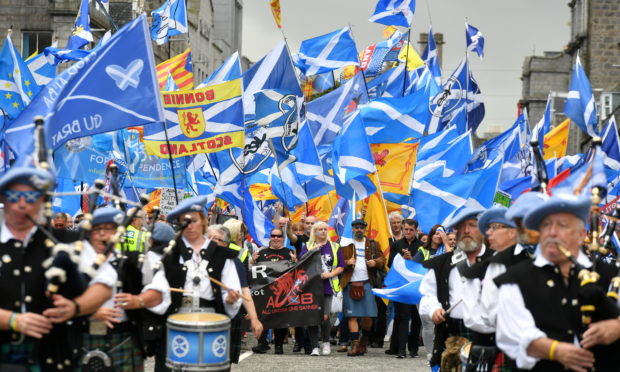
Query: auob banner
198, 121
287, 294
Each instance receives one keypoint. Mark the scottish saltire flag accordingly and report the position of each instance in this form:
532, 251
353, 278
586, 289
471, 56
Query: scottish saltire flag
580, 106
352, 159
168, 20
393, 120
17, 85
452, 156
286, 186
42, 71
229, 70
544, 125
402, 283
502, 147
327, 52
114, 87
201, 120
430, 141
460, 90
394, 12
55, 55
437, 199
258, 225
308, 163
81, 35
69, 203
611, 145
170, 84
431, 57
474, 40
326, 114
587, 175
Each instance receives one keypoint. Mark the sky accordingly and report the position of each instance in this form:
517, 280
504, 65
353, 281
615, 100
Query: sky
513, 29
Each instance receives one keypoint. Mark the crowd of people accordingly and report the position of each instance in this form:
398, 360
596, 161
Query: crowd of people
509, 288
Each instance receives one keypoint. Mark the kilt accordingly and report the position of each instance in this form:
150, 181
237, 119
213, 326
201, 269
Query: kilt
364, 307
20, 354
120, 346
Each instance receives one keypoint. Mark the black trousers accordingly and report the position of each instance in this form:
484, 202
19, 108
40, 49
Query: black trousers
278, 333
401, 334
379, 328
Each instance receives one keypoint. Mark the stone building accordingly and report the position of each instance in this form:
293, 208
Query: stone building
595, 36
214, 27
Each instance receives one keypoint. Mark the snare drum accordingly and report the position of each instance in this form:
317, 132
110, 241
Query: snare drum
465, 350
198, 341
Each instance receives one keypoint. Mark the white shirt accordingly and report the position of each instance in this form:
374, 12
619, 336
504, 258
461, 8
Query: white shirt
230, 278
360, 272
6, 234
480, 298
516, 328
428, 288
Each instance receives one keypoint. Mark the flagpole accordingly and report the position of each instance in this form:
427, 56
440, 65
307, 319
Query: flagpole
108, 16
361, 69
174, 178
467, 79
406, 61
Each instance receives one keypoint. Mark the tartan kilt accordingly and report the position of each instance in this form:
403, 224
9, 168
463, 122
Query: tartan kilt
20, 354
235, 339
126, 357
503, 363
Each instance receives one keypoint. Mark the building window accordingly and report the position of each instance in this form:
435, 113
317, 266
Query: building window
35, 41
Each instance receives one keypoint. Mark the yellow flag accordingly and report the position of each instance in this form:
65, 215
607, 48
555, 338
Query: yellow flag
395, 163
411, 56
321, 207
556, 141
376, 218
388, 31
275, 10
261, 191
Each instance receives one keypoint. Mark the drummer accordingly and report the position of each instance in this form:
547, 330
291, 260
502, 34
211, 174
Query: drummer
195, 259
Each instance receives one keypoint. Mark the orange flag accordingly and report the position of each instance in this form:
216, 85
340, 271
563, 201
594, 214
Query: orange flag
373, 209
321, 207
395, 163
556, 141
275, 9
180, 67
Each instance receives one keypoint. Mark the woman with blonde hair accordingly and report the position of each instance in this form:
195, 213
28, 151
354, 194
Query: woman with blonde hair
332, 263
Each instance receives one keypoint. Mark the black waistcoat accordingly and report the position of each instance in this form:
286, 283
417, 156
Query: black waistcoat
555, 308
176, 272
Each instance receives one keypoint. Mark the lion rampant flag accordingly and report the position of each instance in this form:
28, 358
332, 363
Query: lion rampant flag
556, 141
203, 120
375, 214
395, 163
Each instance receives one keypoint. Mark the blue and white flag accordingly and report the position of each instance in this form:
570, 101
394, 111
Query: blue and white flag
427, 143
327, 113
229, 70
55, 55
461, 90
430, 57
580, 106
402, 283
474, 40
171, 85
388, 84
587, 174
502, 147
611, 145
168, 20
394, 12
543, 126
258, 225
81, 35
308, 163
17, 85
352, 156
437, 199
114, 87
394, 120
42, 71
340, 216
452, 156
327, 52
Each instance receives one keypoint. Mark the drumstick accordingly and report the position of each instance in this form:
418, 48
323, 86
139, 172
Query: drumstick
179, 290
246, 298
453, 306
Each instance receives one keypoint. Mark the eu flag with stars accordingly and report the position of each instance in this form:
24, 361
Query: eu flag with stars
17, 85
113, 87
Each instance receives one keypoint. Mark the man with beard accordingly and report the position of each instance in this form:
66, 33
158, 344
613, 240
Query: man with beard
442, 284
539, 321
479, 290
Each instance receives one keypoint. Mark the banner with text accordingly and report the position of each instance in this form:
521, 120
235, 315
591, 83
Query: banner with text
287, 294
198, 121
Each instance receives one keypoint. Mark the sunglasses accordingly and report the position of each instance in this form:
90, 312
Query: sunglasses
276, 236
13, 196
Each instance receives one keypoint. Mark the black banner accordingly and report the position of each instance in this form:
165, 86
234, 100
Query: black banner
287, 294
